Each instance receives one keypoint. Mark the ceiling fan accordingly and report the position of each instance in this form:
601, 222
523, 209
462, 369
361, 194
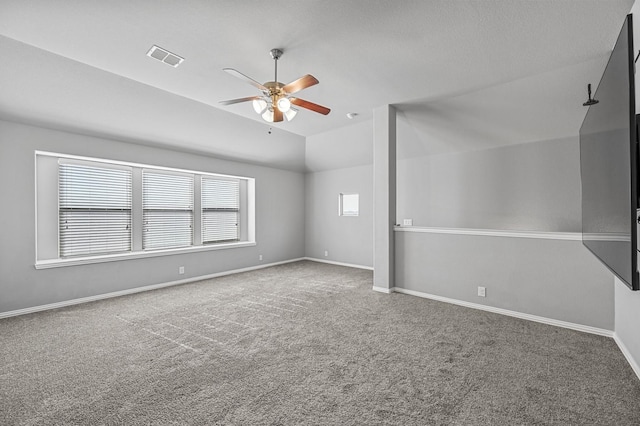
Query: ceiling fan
276, 100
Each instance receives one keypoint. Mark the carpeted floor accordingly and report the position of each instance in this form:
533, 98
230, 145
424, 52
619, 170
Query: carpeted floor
303, 343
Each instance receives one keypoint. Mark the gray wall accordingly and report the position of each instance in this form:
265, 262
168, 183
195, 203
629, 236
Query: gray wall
340, 161
556, 279
526, 187
279, 231
627, 304
532, 186
347, 239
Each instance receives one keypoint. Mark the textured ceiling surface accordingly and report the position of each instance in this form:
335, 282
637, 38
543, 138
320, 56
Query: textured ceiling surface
365, 53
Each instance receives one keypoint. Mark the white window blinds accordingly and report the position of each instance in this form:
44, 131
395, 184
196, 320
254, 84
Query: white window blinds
167, 203
220, 210
94, 210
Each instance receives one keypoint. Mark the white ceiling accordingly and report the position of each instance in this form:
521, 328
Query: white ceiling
541, 107
88, 59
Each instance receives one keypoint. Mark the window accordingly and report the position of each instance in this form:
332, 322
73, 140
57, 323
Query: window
167, 202
91, 210
95, 210
220, 210
348, 204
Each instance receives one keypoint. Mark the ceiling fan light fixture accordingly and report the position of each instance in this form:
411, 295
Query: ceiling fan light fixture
275, 102
290, 114
259, 105
267, 115
284, 104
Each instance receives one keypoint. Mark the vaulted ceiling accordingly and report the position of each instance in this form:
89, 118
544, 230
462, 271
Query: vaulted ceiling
445, 64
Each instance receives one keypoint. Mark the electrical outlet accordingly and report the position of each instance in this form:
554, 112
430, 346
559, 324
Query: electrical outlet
181, 270
326, 253
407, 222
260, 257
482, 291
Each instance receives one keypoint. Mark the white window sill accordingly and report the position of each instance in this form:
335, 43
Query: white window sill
59, 263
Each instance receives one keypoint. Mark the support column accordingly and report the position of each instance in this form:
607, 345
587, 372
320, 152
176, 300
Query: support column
384, 197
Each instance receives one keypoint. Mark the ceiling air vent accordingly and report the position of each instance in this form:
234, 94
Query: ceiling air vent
165, 56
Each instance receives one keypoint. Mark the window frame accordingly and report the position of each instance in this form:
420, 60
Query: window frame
45, 205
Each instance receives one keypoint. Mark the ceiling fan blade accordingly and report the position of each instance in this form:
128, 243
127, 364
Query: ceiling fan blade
310, 105
277, 115
237, 101
245, 78
301, 83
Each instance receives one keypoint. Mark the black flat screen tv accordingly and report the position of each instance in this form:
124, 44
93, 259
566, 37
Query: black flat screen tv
609, 165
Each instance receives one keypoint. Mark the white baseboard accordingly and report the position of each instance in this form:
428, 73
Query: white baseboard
350, 265
64, 303
632, 362
529, 317
383, 289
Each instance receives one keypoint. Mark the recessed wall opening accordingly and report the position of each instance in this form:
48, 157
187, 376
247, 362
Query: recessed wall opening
348, 204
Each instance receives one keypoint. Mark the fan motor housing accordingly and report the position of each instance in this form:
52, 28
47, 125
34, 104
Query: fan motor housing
275, 88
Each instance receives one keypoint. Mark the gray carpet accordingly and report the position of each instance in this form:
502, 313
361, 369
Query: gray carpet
303, 343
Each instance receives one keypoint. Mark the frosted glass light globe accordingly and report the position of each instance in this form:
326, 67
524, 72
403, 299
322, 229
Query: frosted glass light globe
290, 114
268, 115
259, 105
284, 104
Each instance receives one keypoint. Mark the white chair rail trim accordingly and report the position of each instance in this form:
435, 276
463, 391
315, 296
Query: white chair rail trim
573, 236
